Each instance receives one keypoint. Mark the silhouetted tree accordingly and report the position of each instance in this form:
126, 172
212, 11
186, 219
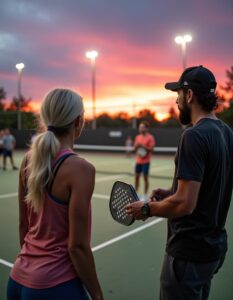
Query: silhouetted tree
2, 98
149, 116
228, 88
24, 104
227, 113
121, 119
172, 120
172, 113
104, 120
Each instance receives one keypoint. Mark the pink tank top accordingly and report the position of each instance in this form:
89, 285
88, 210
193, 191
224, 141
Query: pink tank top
44, 260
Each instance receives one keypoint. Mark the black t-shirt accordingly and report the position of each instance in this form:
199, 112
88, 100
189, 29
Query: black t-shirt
205, 154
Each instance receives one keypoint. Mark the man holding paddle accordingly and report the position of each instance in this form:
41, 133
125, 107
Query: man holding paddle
198, 202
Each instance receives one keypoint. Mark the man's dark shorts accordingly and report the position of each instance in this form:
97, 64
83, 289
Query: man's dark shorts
187, 280
142, 168
7, 153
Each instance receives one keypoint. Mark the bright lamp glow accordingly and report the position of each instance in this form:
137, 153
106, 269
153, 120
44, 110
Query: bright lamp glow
91, 54
179, 39
20, 66
187, 38
183, 39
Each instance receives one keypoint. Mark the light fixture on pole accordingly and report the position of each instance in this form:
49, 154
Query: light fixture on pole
134, 118
92, 56
20, 68
183, 40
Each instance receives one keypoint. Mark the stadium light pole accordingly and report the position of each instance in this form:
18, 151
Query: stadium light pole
183, 40
19, 67
92, 56
134, 119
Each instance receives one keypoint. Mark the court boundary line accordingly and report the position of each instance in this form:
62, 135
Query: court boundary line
106, 178
107, 243
127, 234
111, 241
100, 196
6, 263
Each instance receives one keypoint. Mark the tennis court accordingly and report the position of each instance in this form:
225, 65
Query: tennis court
128, 259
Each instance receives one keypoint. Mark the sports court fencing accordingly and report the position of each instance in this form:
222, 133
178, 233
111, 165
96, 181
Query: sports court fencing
165, 138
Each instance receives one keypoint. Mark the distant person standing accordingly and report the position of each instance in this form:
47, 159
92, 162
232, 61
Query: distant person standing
143, 144
1, 144
9, 144
33, 137
128, 146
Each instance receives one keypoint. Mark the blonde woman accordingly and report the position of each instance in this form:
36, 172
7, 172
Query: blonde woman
55, 190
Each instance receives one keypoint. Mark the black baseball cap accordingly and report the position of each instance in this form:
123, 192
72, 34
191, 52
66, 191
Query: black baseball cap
198, 79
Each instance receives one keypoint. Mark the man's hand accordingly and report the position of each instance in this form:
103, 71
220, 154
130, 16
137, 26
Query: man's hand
134, 210
159, 194
138, 145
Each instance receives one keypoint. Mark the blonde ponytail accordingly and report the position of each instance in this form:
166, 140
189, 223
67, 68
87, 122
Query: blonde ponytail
59, 109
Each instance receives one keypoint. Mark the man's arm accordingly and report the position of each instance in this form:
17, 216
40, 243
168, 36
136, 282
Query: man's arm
14, 142
160, 194
136, 144
150, 145
182, 203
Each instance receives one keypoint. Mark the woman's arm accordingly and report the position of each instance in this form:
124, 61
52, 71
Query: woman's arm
82, 186
23, 218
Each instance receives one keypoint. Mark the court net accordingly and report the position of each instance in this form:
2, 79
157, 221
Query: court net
114, 160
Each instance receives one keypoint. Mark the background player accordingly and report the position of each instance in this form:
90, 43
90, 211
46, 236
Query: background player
143, 144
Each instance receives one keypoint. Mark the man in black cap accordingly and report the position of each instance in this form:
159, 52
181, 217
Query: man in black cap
197, 204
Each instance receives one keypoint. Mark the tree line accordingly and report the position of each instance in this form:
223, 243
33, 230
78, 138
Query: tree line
8, 113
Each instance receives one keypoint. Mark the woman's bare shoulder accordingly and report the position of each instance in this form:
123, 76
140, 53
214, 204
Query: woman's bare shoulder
77, 163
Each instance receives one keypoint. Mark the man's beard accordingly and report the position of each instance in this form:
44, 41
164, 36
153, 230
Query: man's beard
185, 114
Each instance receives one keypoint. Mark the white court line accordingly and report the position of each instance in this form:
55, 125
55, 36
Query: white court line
112, 241
8, 195
99, 196
6, 263
125, 235
106, 178
110, 178
108, 163
162, 168
108, 243
16, 194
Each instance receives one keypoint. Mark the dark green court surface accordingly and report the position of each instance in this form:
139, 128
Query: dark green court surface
128, 259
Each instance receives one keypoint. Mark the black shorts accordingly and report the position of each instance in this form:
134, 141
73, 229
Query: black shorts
142, 168
7, 153
1, 151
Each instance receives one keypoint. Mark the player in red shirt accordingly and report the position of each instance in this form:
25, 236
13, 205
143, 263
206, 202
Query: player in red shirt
143, 144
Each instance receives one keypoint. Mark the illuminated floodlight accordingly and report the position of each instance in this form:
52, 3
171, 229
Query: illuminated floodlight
20, 66
183, 40
179, 39
91, 54
187, 38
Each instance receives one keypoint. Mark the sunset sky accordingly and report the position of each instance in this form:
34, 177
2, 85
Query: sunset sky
135, 41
